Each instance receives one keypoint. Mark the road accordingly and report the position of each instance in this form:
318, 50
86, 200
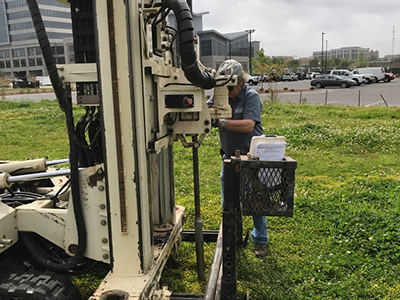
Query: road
363, 95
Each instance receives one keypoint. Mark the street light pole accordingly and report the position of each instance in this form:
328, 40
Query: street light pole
322, 54
250, 31
326, 56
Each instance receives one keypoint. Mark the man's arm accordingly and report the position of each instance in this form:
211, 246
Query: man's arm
239, 125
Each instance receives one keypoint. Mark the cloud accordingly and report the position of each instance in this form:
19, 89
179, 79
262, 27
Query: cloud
288, 27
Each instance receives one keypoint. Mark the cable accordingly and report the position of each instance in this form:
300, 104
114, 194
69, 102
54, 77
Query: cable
187, 50
65, 106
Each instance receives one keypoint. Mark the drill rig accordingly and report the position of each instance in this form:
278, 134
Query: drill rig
142, 86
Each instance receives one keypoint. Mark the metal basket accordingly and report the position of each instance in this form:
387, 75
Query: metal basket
267, 187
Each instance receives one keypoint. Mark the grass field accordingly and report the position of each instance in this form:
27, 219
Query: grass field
343, 241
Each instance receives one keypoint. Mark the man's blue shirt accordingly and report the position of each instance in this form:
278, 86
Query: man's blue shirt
247, 105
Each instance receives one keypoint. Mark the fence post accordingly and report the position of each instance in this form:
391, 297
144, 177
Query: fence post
300, 97
359, 98
326, 97
384, 100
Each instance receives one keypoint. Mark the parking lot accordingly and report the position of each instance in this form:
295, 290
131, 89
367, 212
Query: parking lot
363, 95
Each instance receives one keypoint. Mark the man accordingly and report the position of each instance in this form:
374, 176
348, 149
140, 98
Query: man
236, 134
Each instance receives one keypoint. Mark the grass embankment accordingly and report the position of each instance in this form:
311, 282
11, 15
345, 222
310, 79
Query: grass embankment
343, 241
10, 91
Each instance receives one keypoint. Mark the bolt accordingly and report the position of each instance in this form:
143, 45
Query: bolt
72, 248
101, 188
102, 206
103, 222
206, 122
104, 240
105, 256
207, 130
99, 171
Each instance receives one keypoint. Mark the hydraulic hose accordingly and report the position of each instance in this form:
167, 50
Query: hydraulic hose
65, 106
186, 47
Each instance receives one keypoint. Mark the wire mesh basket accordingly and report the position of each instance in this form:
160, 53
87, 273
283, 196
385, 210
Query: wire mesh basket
267, 187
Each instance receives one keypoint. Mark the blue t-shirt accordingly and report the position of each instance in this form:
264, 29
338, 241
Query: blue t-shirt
247, 105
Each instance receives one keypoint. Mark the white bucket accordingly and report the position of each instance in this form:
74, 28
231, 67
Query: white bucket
268, 147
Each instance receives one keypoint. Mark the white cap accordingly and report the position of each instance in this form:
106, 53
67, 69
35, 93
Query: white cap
230, 66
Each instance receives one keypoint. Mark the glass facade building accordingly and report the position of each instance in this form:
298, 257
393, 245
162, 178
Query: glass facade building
20, 53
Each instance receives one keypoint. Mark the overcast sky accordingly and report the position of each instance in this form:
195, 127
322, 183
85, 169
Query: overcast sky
294, 27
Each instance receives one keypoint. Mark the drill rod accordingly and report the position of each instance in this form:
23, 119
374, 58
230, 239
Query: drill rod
198, 229
38, 176
57, 162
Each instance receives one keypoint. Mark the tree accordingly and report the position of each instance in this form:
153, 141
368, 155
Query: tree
314, 63
361, 62
345, 63
294, 64
330, 63
273, 68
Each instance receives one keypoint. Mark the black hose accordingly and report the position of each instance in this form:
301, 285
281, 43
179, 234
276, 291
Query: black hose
65, 106
187, 50
80, 133
43, 254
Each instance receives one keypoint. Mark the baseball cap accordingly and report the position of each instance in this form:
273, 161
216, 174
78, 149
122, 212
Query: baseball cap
229, 66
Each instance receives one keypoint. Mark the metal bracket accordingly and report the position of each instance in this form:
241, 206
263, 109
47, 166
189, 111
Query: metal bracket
187, 144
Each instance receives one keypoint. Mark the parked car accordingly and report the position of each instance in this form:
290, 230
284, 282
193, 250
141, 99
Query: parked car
311, 75
253, 80
289, 76
368, 78
322, 81
265, 78
378, 72
301, 75
24, 83
358, 78
389, 77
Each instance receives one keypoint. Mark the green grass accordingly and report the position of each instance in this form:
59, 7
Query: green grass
343, 241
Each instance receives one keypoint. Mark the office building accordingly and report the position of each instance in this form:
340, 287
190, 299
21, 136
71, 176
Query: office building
20, 54
344, 52
215, 47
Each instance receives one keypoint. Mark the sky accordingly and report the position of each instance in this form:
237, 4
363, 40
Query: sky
294, 27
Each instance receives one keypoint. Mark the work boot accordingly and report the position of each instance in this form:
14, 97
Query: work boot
260, 250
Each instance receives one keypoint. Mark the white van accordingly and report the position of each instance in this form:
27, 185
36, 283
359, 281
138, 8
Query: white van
377, 72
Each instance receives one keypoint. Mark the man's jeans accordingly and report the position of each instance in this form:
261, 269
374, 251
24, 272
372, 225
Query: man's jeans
259, 233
